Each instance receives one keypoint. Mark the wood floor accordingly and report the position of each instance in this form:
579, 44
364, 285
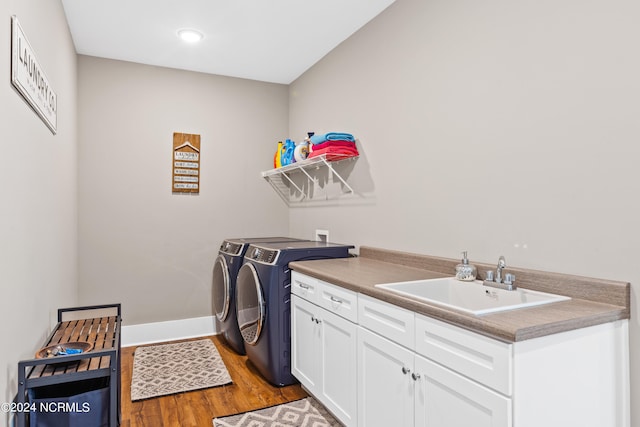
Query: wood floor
249, 391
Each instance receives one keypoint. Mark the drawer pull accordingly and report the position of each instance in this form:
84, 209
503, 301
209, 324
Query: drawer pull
303, 286
415, 376
334, 299
405, 370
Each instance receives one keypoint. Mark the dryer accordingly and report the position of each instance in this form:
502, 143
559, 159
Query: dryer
225, 270
263, 302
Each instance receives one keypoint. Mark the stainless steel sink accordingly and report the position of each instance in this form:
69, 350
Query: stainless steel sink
471, 297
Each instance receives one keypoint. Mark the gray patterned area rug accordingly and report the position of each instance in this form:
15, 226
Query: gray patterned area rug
164, 369
305, 412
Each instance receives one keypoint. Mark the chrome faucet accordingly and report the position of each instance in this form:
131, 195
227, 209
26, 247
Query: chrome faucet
507, 283
501, 265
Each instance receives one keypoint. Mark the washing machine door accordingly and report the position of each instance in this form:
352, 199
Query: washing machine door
221, 288
250, 304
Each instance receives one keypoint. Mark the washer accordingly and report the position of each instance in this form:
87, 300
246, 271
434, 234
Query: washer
263, 303
225, 270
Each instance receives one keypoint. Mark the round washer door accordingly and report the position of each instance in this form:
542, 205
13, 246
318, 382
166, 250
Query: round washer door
221, 288
250, 306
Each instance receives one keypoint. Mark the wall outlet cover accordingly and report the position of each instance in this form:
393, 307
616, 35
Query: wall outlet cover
322, 235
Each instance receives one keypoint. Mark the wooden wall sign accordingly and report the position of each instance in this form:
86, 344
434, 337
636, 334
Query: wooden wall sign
186, 163
29, 79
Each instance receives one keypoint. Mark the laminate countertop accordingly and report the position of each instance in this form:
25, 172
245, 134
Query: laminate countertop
593, 301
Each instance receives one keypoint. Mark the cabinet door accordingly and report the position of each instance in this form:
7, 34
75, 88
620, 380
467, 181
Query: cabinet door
305, 335
447, 399
338, 368
385, 387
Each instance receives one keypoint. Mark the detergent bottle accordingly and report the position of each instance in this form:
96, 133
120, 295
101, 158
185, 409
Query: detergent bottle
302, 151
287, 152
277, 159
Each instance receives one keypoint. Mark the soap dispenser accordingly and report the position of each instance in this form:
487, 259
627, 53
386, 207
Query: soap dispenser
465, 271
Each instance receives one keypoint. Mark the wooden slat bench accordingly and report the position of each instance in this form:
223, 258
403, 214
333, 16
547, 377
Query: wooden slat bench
99, 325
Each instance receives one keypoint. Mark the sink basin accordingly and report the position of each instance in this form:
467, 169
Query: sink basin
471, 297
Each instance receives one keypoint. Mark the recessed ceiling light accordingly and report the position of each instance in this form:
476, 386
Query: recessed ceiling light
190, 36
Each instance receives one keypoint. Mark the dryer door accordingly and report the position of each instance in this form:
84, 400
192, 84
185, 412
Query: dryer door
249, 303
221, 288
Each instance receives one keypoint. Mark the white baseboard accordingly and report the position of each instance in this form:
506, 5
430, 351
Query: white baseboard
148, 333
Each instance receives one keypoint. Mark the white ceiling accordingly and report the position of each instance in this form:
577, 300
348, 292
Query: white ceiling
268, 40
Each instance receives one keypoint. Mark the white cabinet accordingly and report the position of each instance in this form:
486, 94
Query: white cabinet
387, 320
338, 367
305, 344
375, 364
399, 386
575, 378
484, 360
385, 386
324, 347
463, 379
304, 286
444, 398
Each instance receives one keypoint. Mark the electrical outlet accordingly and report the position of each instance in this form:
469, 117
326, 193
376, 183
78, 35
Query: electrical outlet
322, 235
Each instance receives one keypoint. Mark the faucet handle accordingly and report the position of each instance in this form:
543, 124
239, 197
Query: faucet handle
509, 278
489, 276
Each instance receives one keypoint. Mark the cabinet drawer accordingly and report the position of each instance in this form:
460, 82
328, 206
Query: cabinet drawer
390, 321
340, 301
482, 359
304, 286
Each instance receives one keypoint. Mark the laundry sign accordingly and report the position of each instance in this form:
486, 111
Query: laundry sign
186, 163
28, 77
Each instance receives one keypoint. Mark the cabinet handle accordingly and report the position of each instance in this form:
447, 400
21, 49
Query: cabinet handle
415, 376
318, 320
303, 286
334, 299
405, 370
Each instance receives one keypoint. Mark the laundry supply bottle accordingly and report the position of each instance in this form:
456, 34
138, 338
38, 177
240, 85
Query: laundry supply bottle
277, 159
465, 271
287, 152
301, 151
310, 144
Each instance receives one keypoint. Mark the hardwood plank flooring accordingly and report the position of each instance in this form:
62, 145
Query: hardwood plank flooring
249, 391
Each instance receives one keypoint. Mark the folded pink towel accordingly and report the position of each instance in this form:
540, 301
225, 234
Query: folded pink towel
327, 144
335, 153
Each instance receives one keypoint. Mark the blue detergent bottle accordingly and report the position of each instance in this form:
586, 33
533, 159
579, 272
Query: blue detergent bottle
287, 154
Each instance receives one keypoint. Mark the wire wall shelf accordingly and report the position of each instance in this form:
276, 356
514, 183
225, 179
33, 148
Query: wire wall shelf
297, 182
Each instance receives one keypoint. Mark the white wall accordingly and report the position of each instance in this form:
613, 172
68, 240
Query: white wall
141, 245
488, 126
38, 229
